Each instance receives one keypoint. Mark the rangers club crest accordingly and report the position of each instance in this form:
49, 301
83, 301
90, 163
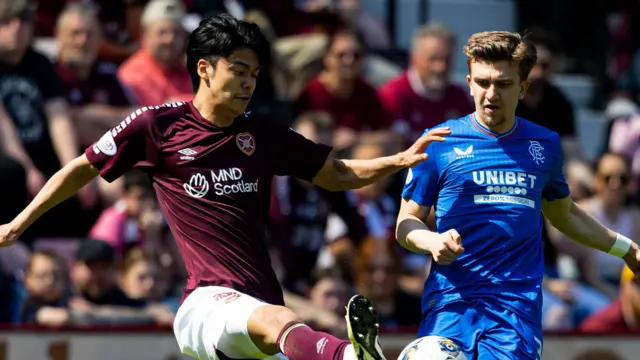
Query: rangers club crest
535, 149
246, 143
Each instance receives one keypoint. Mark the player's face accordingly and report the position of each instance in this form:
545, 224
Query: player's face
496, 89
232, 82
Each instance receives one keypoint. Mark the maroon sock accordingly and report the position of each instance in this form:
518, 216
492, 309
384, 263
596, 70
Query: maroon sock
302, 343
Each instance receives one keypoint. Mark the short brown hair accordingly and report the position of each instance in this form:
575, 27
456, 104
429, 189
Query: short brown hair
494, 46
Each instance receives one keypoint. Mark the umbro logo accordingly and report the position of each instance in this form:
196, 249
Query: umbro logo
466, 153
187, 154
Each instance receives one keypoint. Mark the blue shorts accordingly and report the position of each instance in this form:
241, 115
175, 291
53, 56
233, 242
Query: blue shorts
485, 331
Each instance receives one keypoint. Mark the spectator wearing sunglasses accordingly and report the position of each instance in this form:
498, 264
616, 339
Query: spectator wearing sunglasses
610, 204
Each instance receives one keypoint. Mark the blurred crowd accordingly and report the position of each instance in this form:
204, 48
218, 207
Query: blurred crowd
71, 70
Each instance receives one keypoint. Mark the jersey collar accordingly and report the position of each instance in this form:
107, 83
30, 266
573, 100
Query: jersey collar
483, 129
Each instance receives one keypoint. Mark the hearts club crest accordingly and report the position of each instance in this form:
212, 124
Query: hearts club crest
246, 143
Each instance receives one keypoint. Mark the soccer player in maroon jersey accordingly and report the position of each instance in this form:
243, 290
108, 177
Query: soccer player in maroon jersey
211, 165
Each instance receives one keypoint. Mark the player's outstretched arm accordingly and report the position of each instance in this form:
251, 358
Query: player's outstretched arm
66, 182
340, 174
413, 234
571, 220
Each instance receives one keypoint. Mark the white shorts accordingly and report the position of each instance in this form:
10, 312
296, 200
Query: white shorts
215, 318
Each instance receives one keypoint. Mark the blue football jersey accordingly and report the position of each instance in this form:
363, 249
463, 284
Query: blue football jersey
489, 187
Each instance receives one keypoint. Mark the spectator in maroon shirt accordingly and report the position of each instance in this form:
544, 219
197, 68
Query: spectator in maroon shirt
423, 96
341, 91
97, 99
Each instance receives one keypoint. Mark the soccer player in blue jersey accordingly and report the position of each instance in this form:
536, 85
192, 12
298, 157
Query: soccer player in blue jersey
490, 184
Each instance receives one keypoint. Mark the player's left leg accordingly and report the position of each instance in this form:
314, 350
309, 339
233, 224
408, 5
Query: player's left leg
510, 337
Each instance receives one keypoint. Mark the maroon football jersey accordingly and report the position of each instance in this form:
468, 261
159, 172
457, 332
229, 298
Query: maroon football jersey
213, 185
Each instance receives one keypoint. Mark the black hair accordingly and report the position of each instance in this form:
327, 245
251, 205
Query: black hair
348, 31
220, 35
136, 179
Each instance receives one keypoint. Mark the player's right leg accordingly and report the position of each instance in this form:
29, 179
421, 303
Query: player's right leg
276, 328
460, 322
219, 323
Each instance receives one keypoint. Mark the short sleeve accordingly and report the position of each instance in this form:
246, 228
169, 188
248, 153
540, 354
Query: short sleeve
421, 185
294, 155
132, 144
556, 187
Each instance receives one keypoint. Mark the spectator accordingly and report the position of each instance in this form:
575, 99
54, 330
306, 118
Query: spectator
544, 103
380, 210
329, 291
98, 101
140, 279
341, 91
133, 219
424, 96
378, 267
97, 296
324, 309
156, 73
46, 283
33, 100
610, 205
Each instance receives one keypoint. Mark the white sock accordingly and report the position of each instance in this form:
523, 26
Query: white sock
349, 353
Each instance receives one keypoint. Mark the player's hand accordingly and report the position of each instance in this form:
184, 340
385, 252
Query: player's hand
448, 248
7, 235
633, 261
416, 153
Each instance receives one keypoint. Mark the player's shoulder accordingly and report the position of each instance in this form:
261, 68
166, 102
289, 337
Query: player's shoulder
160, 117
456, 125
459, 131
535, 132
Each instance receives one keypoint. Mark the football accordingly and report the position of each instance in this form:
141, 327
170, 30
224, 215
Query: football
432, 348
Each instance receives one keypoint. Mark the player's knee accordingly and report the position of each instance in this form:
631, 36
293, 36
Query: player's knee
266, 324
